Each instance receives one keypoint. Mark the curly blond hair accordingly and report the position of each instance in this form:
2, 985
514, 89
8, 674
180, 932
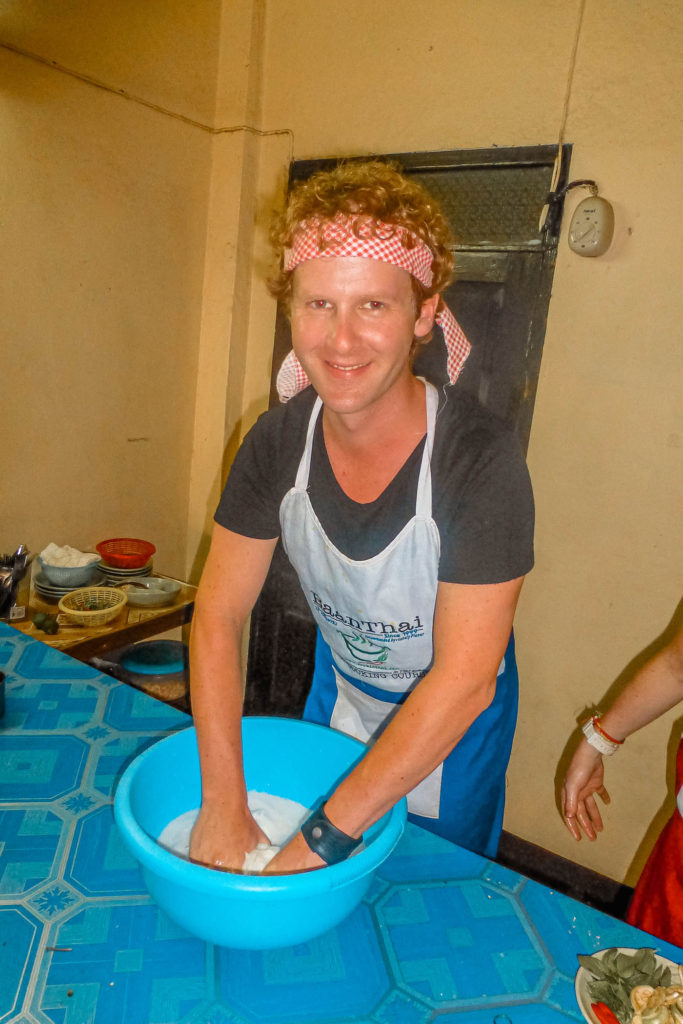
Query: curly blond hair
363, 190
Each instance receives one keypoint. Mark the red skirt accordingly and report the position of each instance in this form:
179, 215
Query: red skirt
657, 904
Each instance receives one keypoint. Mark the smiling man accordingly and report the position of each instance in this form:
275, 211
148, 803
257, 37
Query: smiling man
406, 511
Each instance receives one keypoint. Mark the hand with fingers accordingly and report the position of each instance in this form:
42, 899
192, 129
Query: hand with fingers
221, 841
583, 781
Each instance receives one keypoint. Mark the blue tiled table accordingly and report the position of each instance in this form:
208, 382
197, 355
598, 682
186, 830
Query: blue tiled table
442, 934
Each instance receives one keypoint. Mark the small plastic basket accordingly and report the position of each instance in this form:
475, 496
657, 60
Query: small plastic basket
92, 606
126, 552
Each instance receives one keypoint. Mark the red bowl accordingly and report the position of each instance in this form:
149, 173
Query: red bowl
125, 552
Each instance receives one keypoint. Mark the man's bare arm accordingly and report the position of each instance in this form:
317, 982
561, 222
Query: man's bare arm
232, 579
471, 631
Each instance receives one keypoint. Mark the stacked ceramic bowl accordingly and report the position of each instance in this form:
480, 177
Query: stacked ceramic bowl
151, 592
114, 575
54, 581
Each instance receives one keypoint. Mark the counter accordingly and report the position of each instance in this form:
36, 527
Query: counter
132, 624
442, 933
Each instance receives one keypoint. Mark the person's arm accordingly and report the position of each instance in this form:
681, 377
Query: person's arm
471, 631
656, 687
234, 573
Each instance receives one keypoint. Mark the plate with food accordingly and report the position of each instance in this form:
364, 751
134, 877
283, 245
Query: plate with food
623, 985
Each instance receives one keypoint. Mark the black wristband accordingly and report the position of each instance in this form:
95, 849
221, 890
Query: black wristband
325, 839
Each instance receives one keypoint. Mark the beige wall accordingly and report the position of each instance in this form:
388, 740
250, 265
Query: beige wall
133, 226
128, 214
606, 445
99, 299
393, 77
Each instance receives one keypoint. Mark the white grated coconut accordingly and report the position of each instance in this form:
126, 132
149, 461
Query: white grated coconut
67, 557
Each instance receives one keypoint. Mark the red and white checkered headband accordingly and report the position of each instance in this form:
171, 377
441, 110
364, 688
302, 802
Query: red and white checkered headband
376, 241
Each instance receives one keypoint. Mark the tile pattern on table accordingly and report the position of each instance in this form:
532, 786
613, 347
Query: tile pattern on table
445, 940
338, 975
65, 877
115, 754
482, 944
99, 863
12, 644
31, 840
53, 706
531, 1013
591, 930
131, 710
123, 964
40, 768
422, 855
38, 661
21, 933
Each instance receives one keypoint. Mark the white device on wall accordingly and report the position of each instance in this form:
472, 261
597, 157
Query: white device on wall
592, 226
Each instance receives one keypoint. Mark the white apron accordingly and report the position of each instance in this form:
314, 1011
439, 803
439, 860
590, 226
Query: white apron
376, 615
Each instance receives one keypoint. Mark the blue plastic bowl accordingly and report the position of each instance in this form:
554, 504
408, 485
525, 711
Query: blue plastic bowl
289, 758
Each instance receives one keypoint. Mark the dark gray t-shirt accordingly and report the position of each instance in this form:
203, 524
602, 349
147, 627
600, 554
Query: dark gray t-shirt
482, 501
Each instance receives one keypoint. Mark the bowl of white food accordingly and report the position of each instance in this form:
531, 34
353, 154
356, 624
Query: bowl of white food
294, 760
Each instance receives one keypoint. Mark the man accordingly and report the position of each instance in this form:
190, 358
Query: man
407, 514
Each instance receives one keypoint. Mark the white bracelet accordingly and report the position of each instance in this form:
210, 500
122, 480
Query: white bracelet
597, 740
